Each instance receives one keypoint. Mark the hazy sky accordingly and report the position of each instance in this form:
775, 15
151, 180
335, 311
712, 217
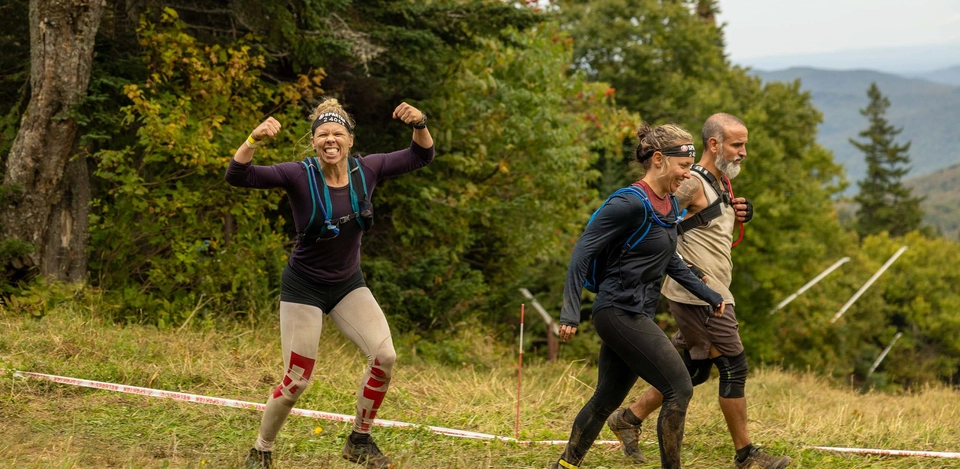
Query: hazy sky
759, 28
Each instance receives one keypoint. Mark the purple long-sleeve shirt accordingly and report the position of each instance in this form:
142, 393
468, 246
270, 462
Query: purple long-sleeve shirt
332, 261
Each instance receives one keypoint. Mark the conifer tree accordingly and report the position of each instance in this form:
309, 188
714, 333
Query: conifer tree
886, 204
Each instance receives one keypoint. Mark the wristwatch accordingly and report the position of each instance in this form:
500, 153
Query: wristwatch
422, 124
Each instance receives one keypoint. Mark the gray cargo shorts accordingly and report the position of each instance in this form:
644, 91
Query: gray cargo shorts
699, 329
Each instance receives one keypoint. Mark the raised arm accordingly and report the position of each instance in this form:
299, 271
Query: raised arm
267, 129
414, 117
241, 173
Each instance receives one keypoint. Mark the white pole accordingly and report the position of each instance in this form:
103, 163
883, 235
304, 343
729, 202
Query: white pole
543, 313
810, 284
884, 353
865, 286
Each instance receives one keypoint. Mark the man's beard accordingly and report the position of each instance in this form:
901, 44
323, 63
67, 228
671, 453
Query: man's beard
728, 168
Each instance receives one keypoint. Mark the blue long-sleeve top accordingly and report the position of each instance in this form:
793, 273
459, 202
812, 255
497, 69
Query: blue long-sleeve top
631, 282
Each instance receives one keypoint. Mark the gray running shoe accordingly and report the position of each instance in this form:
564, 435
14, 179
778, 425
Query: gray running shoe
367, 454
257, 459
628, 434
760, 460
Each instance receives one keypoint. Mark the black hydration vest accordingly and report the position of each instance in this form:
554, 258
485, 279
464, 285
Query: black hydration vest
713, 210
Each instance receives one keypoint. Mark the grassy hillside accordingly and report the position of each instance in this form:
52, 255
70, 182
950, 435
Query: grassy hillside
927, 111
942, 207
47, 425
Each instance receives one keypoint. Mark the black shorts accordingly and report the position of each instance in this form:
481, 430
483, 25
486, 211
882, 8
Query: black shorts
295, 288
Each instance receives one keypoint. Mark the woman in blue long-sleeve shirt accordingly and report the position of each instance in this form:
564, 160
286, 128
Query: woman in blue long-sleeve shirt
627, 294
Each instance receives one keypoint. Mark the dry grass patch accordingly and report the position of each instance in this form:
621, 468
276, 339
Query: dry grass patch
47, 425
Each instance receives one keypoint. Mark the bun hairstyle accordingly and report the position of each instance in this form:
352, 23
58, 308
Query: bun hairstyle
654, 139
331, 105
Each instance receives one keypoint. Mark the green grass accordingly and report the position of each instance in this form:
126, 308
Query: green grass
49, 425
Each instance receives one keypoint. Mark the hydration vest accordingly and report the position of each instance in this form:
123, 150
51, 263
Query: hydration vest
598, 266
320, 199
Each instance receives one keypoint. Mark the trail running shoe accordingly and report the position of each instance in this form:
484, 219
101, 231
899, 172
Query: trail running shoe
259, 459
760, 460
628, 434
366, 453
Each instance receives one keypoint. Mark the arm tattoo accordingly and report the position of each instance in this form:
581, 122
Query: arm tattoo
689, 189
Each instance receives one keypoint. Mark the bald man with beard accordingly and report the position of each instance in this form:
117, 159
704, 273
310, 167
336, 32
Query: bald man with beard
705, 340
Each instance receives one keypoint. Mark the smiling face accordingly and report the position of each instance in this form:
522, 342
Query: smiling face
332, 143
678, 169
670, 171
733, 150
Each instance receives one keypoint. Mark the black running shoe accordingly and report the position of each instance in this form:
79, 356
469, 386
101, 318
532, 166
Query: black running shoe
759, 460
259, 459
366, 453
628, 434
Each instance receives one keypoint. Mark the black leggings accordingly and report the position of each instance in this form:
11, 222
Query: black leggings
633, 345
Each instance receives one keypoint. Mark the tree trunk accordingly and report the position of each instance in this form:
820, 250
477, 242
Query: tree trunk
62, 34
65, 241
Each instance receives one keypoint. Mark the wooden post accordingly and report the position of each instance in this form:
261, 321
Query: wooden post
553, 329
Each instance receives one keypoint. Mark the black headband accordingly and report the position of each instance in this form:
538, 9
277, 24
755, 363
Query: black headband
329, 117
686, 149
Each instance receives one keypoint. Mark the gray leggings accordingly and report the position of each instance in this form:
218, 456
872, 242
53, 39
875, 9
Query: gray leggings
359, 318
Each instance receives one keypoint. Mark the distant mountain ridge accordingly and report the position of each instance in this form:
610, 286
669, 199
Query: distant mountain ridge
928, 112
903, 60
946, 76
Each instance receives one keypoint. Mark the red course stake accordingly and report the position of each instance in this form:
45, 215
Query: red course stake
516, 427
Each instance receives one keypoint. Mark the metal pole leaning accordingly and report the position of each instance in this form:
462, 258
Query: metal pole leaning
865, 286
810, 284
553, 330
883, 354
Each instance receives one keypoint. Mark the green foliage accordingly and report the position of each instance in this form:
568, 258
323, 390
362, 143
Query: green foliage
39, 297
508, 191
914, 296
664, 58
886, 204
940, 192
160, 230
